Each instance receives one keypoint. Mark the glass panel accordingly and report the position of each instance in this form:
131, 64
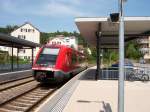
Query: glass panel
48, 56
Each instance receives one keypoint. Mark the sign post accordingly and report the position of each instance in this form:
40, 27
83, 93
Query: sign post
121, 59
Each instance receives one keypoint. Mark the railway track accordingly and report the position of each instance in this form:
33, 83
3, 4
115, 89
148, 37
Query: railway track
26, 101
11, 84
24, 95
22, 98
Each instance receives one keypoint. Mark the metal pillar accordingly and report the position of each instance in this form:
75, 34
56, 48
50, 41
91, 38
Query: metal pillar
101, 61
32, 56
17, 58
121, 60
98, 36
12, 60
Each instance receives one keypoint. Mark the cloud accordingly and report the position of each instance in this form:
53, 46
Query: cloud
60, 9
55, 8
6, 5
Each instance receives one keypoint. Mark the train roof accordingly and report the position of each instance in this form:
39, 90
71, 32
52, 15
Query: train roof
61, 46
50, 45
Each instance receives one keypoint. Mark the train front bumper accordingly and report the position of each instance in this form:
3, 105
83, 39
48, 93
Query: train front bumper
48, 76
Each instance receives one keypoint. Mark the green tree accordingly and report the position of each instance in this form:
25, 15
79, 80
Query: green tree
132, 50
8, 29
44, 38
110, 56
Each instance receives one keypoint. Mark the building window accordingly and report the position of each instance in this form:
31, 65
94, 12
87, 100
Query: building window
21, 50
26, 30
19, 36
67, 40
29, 30
25, 57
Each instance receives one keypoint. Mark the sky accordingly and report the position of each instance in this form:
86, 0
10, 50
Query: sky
53, 15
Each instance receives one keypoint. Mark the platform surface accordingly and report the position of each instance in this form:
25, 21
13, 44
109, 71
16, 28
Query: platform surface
102, 96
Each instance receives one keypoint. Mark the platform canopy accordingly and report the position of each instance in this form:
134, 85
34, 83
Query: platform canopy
9, 41
134, 27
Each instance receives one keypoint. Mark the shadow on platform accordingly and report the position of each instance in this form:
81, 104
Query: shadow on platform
106, 107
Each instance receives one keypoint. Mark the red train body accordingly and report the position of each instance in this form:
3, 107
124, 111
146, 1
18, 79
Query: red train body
54, 63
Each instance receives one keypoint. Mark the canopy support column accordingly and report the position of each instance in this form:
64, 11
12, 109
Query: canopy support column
98, 36
32, 55
12, 60
17, 59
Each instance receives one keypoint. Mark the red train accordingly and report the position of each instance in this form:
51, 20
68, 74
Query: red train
55, 63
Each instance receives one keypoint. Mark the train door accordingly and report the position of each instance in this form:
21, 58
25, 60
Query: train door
68, 60
74, 60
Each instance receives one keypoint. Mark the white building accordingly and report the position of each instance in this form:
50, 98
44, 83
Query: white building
3, 48
28, 32
68, 41
58, 41
145, 46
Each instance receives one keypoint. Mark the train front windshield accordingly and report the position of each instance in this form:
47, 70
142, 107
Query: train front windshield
48, 56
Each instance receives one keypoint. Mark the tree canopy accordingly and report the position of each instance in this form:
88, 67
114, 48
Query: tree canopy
132, 50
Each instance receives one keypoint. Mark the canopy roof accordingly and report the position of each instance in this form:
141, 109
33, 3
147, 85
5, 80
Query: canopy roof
6, 40
134, 27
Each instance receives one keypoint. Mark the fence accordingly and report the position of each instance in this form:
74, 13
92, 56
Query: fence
112, 73
5, 67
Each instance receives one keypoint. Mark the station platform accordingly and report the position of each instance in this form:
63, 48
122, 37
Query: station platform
15, 75
90, 95
102, 96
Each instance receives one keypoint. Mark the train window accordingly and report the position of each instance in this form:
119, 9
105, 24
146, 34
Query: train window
53, 51
48, 56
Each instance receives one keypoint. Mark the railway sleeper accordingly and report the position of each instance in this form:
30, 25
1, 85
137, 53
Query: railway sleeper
29, 98
14, 108
20, 104
6, 110
25, 101
39, 94
40, 90
33, 96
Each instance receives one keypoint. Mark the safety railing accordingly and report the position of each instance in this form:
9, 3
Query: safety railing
112, 73
4, 67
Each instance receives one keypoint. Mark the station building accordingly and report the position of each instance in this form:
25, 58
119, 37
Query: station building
27, 32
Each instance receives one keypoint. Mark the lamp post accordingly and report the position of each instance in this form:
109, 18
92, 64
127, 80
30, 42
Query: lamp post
121, 58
